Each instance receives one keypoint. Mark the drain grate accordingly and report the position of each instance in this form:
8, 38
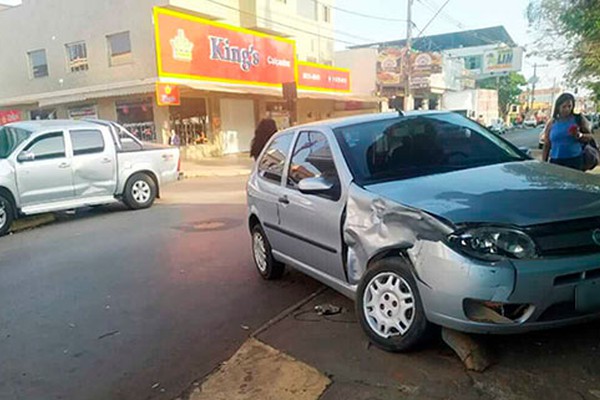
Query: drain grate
210, 225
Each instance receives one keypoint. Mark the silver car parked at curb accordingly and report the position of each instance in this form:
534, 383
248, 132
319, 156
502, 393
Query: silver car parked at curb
428, 219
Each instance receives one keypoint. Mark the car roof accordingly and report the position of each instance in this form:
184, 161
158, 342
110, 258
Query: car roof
359, 119
37, 125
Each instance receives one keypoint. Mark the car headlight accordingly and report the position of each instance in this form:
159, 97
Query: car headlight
493, 243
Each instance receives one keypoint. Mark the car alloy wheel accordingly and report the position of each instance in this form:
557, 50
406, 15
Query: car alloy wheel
389, 305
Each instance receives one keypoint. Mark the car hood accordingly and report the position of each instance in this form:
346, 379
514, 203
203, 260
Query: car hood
517, 193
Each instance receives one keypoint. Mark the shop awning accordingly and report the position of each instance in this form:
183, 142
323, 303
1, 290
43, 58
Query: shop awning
275, 91
83, 94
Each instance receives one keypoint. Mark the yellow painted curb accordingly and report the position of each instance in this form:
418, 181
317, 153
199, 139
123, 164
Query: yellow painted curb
32, 222
259, 372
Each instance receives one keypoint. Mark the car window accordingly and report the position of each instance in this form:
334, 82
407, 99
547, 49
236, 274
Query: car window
272, 162
10, 139
87, 141
406, 147
312, 158
48, 146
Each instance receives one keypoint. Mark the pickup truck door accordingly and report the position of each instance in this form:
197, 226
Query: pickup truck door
46, 176
94, 159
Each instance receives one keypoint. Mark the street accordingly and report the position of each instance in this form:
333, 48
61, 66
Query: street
524, 137
113, 304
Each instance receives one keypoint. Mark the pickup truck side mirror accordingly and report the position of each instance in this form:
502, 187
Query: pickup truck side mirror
25, 156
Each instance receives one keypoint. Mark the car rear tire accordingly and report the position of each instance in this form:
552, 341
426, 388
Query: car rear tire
7, 215
266, 265
389, 308
140, 191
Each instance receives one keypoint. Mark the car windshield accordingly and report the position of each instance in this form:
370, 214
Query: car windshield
10, 139
426, 144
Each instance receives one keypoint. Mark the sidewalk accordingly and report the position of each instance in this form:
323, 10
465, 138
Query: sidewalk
230, 165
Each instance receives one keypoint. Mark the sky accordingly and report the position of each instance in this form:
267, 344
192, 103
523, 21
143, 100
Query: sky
457, 15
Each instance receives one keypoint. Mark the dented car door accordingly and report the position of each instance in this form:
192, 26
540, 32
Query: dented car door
94, 164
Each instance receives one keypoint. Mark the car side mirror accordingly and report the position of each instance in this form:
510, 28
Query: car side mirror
25, 156
314, 185
525, 150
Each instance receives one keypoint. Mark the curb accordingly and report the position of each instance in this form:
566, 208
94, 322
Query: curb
205, 174
32, 222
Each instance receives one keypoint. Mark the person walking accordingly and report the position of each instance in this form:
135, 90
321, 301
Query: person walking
565, 135
265, 129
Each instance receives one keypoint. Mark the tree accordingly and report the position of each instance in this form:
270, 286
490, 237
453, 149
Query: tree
569, 31
509, 89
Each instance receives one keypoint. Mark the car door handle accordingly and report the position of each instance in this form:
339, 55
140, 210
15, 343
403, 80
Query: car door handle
64, 165
106, 161
284, 200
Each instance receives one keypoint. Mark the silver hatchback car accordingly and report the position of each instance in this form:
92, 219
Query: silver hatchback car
428, 219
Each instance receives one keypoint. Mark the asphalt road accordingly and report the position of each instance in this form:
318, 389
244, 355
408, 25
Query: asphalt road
115, 304
524, 137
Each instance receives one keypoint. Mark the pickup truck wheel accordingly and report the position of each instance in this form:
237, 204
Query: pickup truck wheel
6, 215
140, 191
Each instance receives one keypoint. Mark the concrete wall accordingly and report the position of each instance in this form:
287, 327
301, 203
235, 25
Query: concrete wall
363, 66
51, 24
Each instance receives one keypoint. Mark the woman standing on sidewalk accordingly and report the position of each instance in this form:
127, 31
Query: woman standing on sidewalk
266, 128
565, 134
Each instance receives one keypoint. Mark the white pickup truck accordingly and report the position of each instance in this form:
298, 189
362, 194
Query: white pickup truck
63, 164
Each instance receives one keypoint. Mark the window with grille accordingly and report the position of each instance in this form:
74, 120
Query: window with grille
77, 57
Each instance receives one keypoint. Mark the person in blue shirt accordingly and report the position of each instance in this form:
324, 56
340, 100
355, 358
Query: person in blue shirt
565, 134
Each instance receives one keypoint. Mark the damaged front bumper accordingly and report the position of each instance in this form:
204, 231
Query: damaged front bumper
510, 296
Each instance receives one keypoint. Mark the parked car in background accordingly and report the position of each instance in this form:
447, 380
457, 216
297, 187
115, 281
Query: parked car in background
55, 165
427, 218
541, 139
498, 127
530, 122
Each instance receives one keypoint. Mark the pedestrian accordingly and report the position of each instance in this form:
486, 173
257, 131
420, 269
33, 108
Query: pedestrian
174, 140
566, 134
265, 129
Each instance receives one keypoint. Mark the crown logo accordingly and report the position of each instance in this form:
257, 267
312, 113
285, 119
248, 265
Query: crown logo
182, 47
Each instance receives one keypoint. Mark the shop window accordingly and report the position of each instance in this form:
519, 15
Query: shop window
77, 57
473, 62
190, 121
42, 114
38, 64
307, 9
119, 49
137, 116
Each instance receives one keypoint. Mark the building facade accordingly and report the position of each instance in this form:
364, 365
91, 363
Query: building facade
102, 59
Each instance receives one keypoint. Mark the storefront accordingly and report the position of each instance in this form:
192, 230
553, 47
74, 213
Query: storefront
229, 78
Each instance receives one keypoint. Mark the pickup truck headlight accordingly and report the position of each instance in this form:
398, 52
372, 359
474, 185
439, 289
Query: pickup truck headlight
493, 243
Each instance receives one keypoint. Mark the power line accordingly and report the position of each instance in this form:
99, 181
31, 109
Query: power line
359, 14
292, 27
433, 18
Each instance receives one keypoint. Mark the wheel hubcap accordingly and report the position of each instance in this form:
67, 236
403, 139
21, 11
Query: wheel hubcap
260, 252
141, 191
389, 305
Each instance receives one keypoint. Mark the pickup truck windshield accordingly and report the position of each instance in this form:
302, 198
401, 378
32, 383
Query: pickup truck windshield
10, 138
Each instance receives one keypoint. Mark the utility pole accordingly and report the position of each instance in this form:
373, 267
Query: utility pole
533, 82
407, 97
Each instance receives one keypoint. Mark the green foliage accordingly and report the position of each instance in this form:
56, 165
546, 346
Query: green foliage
509, 89
569, 30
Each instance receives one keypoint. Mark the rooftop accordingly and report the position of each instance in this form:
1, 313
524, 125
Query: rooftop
453, 40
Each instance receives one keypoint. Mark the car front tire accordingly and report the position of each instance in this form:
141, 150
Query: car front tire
266, 265
7, 213
140, 191
389, 308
